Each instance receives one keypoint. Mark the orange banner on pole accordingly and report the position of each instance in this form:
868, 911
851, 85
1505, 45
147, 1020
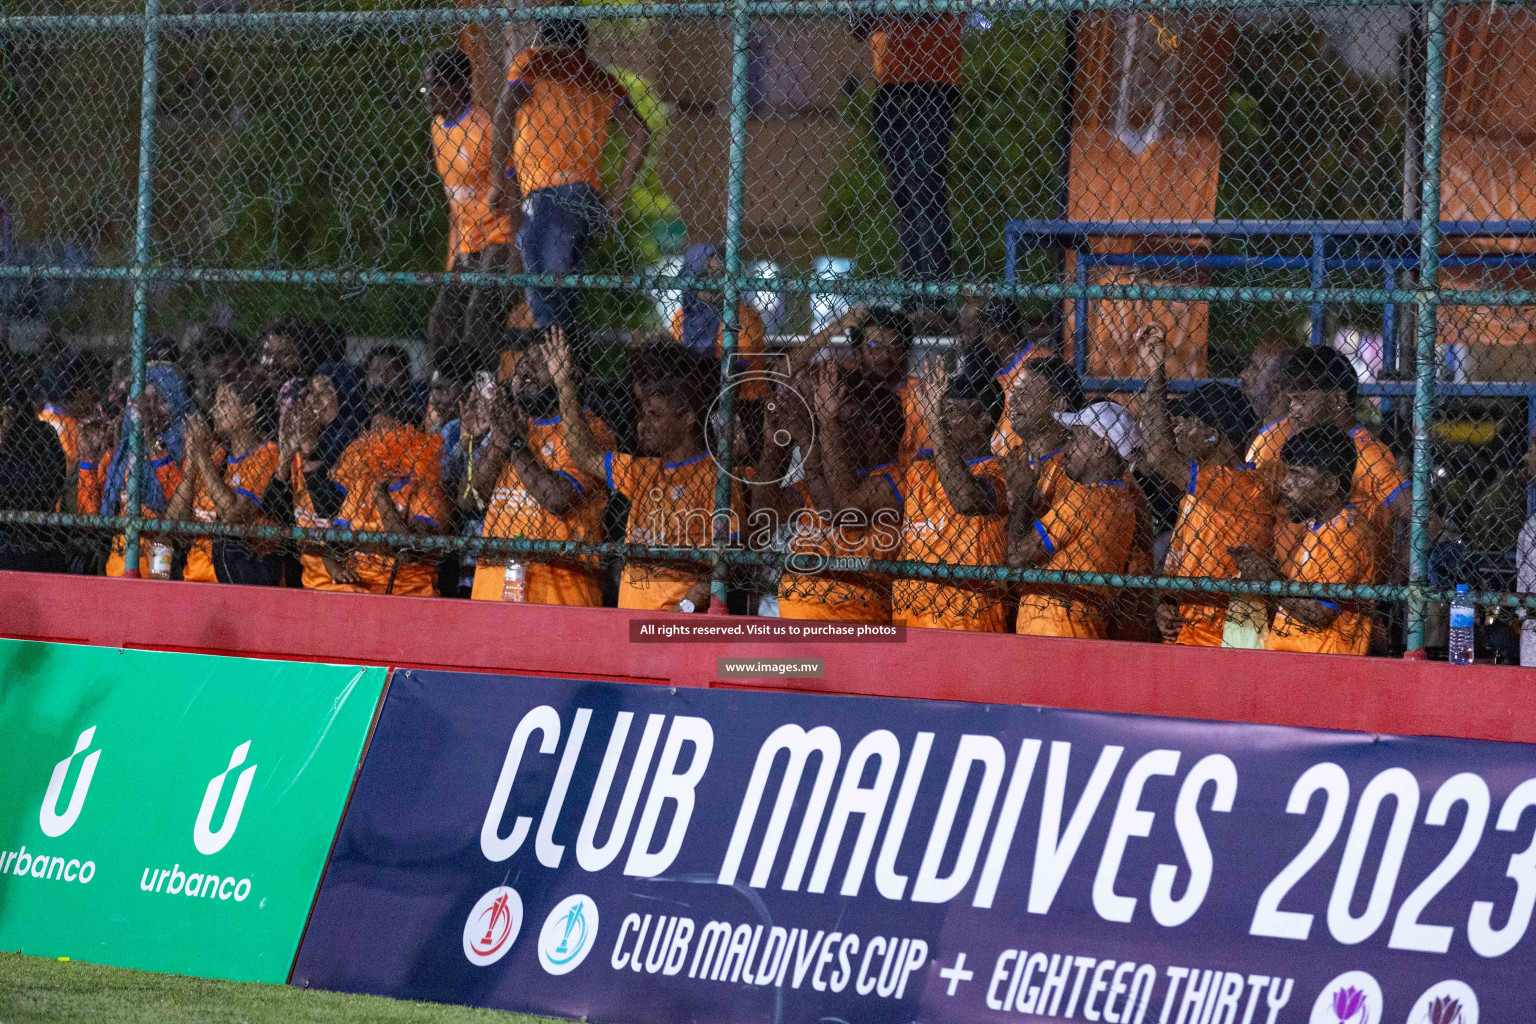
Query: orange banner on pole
1489, 173
1150, 88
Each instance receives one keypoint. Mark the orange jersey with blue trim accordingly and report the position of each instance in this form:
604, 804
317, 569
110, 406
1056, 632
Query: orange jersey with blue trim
1376, 489
1342, 550
513, 512
408, 461
1377, 479
89, 487
248, 476
932, 531
314, 575
1223, 507
816, 590
461, 152
168, 471
671, 504
1087, 528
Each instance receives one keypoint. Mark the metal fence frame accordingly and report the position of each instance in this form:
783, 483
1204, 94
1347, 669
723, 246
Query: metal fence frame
1426, 297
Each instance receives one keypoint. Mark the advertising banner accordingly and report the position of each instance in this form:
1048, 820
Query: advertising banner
650, 855
171, 812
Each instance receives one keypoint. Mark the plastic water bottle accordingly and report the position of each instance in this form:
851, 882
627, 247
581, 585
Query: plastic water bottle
514, 584
1463, 615
160, 561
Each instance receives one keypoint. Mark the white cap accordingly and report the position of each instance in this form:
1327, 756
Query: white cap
1109, 420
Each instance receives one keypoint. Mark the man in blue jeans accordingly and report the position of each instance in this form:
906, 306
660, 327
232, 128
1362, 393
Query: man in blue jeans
919, 71
553, 120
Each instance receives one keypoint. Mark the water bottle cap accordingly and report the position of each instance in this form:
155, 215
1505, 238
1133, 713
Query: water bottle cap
1461, 588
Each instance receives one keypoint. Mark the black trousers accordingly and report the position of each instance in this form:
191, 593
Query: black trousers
913, 125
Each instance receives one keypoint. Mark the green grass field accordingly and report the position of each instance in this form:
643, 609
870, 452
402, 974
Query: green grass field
39, 991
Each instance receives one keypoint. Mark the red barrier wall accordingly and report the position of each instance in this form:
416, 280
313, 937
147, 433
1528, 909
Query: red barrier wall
1362, 694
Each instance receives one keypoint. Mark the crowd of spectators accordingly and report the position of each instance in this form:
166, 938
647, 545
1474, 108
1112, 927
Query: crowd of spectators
989, 455
849, 446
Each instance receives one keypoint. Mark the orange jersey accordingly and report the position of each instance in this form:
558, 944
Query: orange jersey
408, 461
247, 475
1004, 440
816, 590
1087, 528
672, 504
513, 512
1223, 507
1377, 479
1377, 484
1342, 550
168, 472
67, 427
461, 151
932, 531
911, 49
89, 487
749, 345
562, 126
314, 575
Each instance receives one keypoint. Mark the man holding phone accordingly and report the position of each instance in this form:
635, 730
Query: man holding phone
533, 490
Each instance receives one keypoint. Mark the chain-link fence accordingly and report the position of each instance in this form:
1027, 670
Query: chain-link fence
1204, 321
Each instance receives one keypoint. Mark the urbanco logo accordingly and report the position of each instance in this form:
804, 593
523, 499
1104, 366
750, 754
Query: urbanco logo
568, 935
53, 823
492, 926
210, 842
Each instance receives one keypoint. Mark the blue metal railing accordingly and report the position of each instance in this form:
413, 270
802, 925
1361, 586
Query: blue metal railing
1320, 258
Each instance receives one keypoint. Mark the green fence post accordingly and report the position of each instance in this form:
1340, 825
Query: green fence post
730, 316
139, 273
1428, 310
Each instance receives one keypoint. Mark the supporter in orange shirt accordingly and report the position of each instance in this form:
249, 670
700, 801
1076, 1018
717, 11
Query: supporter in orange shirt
1193, 444
1043, 388
291, 348
880, 339
1338, 545
698, 325
1088, 524
320, 420
479, 236
98, 430
553, 120
1262, 378
919, 69
955, 506
847, 503
229, 488
533, 489
65, 394
392, 478
671, 489
1322, 387
999, 327
161, 410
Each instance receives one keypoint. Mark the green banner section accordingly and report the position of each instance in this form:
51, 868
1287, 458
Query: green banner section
171, 812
